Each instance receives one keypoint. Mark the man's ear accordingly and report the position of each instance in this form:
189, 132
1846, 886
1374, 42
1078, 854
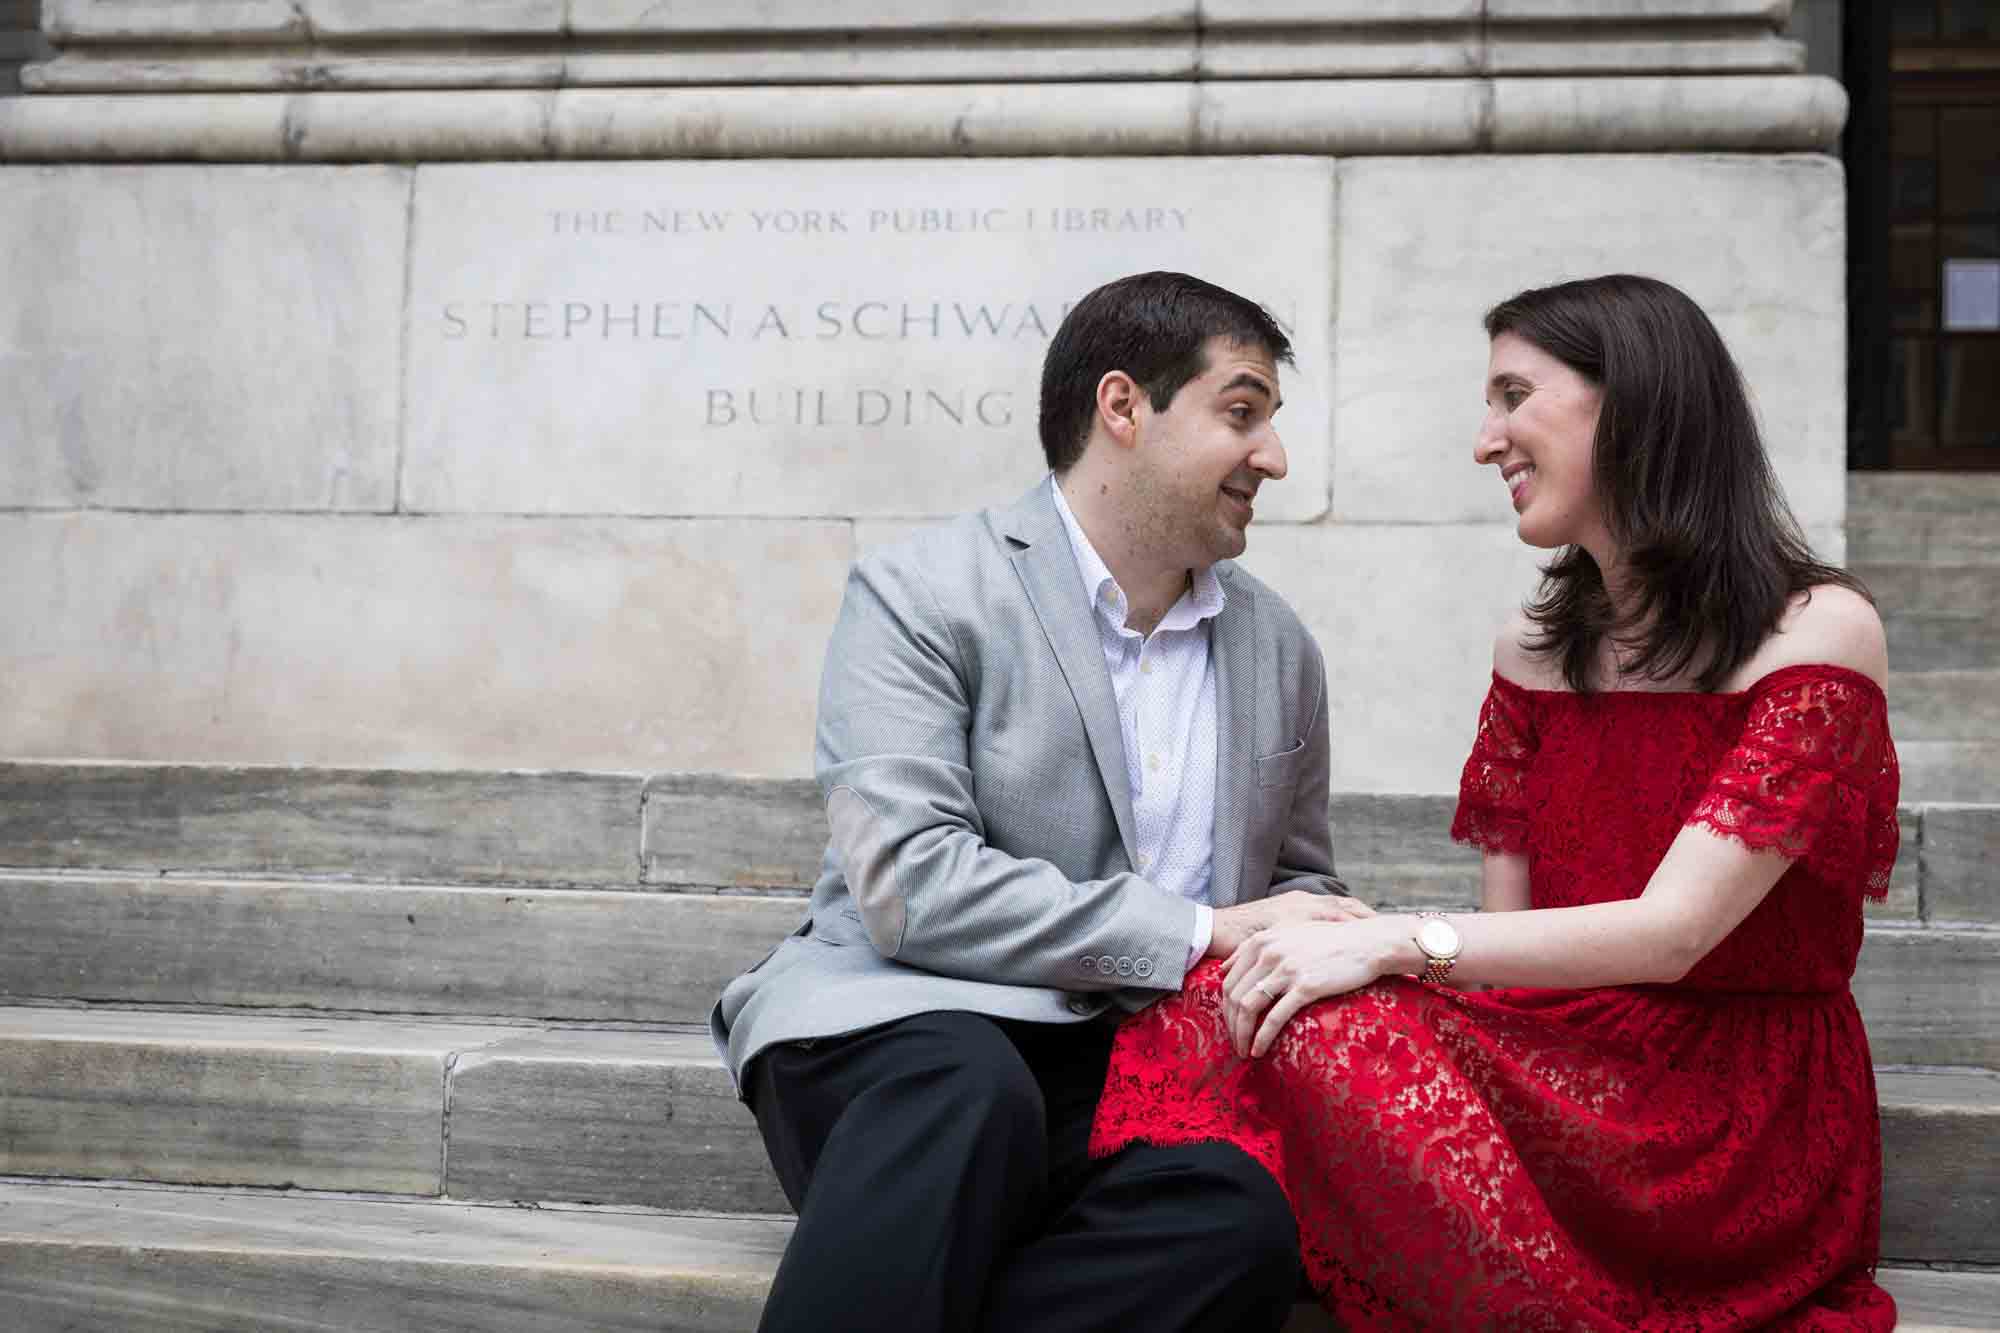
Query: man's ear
1118, 398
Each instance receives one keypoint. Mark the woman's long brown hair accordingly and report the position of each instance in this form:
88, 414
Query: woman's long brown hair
1713, 553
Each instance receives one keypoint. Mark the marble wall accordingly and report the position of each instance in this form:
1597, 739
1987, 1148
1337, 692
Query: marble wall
457, 466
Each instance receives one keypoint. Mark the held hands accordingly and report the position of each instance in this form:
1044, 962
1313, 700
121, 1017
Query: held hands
1281, 970
1234, 925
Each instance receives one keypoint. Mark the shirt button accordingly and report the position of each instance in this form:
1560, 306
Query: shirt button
1146, 667
1143, 968
1124, 967
1153, 762
1144, 860
1089, 963
1107, 964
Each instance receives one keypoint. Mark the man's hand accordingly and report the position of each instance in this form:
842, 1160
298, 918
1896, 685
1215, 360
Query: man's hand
1234, 925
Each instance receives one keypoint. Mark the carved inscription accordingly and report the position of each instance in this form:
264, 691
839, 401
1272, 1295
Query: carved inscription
859, 338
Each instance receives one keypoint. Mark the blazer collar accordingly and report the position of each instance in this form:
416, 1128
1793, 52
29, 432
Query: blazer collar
1048, 573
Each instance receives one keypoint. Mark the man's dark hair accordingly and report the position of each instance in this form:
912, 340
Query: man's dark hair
1713, 551
1152, 326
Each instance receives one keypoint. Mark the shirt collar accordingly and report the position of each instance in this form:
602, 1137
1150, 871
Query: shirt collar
1202, 601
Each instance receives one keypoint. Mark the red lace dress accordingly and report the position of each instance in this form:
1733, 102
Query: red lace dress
1699, 1156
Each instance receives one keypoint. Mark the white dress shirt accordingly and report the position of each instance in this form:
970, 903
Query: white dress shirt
1165, 687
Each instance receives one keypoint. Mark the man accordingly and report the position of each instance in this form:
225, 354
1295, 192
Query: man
1067, 750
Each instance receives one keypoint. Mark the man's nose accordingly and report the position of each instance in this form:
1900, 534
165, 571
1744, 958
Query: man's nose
1269, 457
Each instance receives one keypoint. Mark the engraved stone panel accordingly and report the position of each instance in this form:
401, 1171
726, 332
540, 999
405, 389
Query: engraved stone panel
791, 338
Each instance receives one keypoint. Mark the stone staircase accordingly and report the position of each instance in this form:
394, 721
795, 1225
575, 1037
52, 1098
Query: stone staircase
322, 1049
1928, 545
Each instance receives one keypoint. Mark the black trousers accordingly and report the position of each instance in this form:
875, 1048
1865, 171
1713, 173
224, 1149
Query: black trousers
939, 1171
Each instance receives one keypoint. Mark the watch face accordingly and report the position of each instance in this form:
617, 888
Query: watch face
1438, 939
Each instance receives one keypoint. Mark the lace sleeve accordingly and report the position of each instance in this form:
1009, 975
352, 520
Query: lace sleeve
1813, 776
1492, 792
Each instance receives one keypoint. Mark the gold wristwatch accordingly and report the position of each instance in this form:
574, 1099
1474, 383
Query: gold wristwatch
1438, 939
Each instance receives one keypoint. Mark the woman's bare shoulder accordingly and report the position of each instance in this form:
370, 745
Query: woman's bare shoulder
1514, 660
1828, 624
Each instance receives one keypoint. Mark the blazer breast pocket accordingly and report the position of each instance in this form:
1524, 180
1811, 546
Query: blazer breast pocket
1282, 769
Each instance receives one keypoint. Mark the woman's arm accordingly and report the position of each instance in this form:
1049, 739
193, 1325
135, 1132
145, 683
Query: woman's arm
1503, 882
1703, 889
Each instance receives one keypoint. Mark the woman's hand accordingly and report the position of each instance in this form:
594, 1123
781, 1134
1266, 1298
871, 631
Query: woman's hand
1280, 971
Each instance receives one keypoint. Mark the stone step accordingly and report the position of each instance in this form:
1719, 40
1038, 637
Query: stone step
1925, 588
1931, 996
525, 952
134, 1260
609, 1117
472, 1111
1944, 705
1940, 537
125, 1259
679, 831
1955, 771
1943, 641
1884, 494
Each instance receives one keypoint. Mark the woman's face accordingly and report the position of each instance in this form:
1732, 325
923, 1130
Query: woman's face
1541, 421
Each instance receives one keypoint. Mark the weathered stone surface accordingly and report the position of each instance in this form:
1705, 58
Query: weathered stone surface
1931, 997
1574, 11
418, 126
519, 953
928, 121
201, 339
1950, 771
1406, 615
1961, 863
149, 1261
172, 20
1757, 242
712, 16
996, 57
417, 642
1396, 852
224, 1100
257, 69
1920, 536
1944, 705
707, 830
144, 1261
1284, 53
1340, 117
372, 824
1879, 494
460, 18
796, 339
1664, 114
1926, 588
1602, 51
1967, 640
640, 1118
1940, 1173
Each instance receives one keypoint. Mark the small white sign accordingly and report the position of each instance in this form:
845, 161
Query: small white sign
1971, 294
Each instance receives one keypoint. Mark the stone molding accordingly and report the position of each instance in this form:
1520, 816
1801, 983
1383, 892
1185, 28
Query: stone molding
1344, 117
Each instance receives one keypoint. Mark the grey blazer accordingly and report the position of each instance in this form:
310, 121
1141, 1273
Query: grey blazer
982, 846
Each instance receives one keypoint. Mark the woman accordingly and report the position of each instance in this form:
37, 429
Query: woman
1664, 1116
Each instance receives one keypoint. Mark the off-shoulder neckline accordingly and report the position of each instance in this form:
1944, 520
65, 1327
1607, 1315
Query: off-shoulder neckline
1762, 682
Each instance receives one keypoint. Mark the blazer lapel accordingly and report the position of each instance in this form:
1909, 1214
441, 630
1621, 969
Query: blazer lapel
1232, 648
1048, 572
